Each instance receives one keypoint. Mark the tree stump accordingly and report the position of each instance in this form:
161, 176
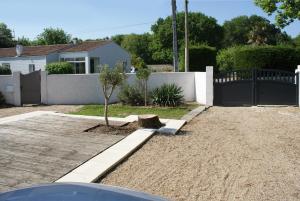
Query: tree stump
149, 121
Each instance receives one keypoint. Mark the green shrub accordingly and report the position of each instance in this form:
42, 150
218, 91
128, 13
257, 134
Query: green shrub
131, 95
60, 68
267, 57
167, 95
260, 57
5, 70
200, 57
2, 99
225, 58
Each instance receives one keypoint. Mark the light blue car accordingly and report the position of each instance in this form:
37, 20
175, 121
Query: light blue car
76, 192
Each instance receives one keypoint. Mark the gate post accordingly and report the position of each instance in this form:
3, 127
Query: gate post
44, 98
209, 85
17, 88
298, 83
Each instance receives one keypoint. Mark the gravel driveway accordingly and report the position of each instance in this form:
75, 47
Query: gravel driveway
224, 154
5, 112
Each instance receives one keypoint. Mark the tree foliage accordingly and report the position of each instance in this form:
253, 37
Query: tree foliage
297, 41
138, 62
255, 29
286, 10
6, 37
24, 41
203, 29
52, 36
110, 78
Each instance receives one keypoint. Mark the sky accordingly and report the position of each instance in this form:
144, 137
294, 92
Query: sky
91, 19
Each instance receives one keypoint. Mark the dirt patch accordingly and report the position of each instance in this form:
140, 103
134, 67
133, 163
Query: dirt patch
115, 128
224, 154
10, 111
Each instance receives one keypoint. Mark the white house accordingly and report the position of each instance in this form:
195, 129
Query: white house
87, 57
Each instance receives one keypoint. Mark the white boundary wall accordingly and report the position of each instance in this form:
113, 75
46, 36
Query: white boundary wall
86, 89
6, 88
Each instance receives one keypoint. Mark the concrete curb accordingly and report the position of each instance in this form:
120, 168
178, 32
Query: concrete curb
103, 162
194, 113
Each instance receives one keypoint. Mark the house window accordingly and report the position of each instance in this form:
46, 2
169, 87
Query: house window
78, 64
6, 65
95, 65
31, 68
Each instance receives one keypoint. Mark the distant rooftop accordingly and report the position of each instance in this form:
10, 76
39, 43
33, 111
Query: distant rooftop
48, 49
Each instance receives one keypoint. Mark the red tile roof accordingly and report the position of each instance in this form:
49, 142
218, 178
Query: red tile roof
48, 49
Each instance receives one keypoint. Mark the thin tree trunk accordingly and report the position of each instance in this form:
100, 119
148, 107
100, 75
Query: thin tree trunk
106, 111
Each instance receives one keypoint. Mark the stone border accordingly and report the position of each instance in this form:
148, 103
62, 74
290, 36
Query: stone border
194, 113
96, 167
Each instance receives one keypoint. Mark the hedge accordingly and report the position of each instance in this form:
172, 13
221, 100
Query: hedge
260, 57
5, 70
60, 68
200, 57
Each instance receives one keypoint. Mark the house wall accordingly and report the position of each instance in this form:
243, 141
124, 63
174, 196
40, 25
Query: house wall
22, 63
86, 89
7, 88
111, 54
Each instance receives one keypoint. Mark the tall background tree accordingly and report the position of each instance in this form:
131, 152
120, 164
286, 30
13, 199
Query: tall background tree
255, 29
138, 45
52, 36
286, 10
297, 41
203, 29
6, 36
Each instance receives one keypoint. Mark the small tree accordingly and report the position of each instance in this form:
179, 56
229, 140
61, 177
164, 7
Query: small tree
143, 75
110, 78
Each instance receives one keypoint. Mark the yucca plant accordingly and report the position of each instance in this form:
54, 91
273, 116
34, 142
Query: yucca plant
168, 95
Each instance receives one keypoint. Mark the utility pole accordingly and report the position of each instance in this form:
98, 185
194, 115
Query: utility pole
175, 45
187, 57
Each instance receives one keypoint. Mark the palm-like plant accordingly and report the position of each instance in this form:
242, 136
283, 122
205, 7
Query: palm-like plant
168, 95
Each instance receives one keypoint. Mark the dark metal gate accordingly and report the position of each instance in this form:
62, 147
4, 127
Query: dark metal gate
256, 87
31, 88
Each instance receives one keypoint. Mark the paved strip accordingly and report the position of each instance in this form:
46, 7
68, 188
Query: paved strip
102, 163
41, 147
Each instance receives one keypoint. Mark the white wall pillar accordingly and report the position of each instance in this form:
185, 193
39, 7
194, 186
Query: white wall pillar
44, 92
209, 85
298, 71
87, 65
17, 88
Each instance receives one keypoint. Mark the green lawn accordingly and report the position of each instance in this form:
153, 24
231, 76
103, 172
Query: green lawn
118, 110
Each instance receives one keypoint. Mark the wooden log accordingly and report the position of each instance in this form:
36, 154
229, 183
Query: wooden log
149, 121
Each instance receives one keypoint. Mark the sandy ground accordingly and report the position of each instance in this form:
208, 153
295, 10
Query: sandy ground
5, 112
224, 154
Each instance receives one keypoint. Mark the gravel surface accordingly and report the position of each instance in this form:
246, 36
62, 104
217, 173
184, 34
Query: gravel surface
224, 154
5, 112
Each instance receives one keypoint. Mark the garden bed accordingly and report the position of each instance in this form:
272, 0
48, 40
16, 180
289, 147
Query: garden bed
115, 128
118, 110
